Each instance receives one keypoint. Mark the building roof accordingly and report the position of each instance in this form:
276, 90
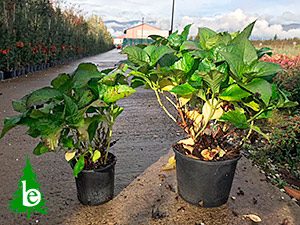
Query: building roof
140, 26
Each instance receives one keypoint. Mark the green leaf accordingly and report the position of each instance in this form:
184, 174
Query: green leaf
86, 99
62, 82
84, 73
79, 166
40, 149
96, 156
189, 45
262, 87
264, 51
114, 93
20, 105
42, 96
235, 62
185, 63
235, 117
185, 32
204, 34
136, 55
10, 123
156, 53
175, 40
264, 69
67, 142
70, 107
213, 79
116, 111
183, 89
234, 93
245, 33
196, 80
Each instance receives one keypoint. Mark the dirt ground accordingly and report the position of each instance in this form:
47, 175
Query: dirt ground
145, 134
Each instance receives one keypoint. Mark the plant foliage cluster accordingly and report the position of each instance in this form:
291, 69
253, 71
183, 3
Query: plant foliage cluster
75, 114
218, 85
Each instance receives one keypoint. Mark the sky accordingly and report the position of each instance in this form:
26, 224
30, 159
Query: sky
222, 15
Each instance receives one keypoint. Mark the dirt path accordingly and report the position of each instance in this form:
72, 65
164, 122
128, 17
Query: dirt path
144, 133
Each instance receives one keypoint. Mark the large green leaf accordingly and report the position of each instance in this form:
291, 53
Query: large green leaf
136, 55
10, 123
183, 89
235, 62
114, 93
264, 69
156, 53
86, 98
20, 105
62, 82
185, 64
204, 34
196, 80
42, 96
79, 166
70, 106
235, 117
189, 45
213, 79
262, 87
84, 73
234, 93
185, 32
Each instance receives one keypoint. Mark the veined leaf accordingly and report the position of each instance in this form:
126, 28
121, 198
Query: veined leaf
42, 95
261, 86
189, 45
185, 32
185, 63
264, 69
183, 89
235, 117
156, 53
136, 55
234, 93
204, 34
62, 82
114, 93
84, 73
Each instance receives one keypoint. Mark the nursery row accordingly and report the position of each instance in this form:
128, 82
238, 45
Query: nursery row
37, 32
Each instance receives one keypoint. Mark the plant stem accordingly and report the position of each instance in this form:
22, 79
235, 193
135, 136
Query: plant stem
108, 143
163, 107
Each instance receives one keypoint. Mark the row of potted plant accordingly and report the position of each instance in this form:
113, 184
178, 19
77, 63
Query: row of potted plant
45, 33
217, 85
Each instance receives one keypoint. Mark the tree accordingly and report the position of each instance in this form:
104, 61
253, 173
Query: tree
28, 193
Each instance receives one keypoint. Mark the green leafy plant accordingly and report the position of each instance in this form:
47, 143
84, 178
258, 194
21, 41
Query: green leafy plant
76, 114
216, 83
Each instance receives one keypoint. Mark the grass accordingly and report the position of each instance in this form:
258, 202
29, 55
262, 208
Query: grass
290, 47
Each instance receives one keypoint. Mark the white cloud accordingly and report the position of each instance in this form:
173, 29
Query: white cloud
237, 20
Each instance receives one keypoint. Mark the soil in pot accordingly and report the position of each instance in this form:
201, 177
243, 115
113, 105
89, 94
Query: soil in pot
204, 183
96, 186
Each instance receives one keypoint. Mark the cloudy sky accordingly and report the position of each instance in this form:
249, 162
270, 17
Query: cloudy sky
272, 16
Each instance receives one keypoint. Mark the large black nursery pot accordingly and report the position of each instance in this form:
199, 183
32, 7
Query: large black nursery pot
204, 183
95, 187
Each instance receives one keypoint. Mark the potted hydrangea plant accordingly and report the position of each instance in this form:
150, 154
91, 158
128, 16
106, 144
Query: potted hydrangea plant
221, 92
76, 114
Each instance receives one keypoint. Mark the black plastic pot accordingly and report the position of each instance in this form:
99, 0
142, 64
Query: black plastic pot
95, 187
204, 183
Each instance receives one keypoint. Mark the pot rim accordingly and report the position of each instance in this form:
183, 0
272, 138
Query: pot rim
102, 168
223, 162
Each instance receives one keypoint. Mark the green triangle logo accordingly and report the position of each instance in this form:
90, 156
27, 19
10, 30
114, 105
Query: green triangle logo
28, 198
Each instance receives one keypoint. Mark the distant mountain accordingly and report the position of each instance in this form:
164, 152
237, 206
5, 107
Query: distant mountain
287, 27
